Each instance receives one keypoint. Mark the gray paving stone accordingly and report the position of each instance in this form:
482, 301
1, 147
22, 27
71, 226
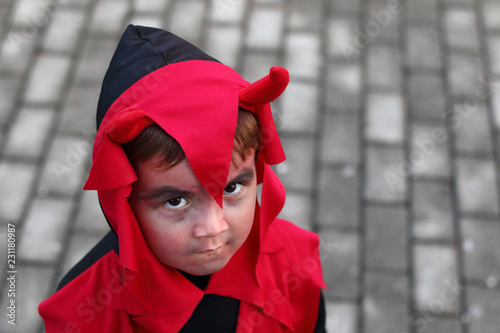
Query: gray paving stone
296, 171
90, 217
257, 65
384, 18
491, 10
29, 132
186, 21
264, 30
103, 22
8, 90
476, 191
339, 197
423, 48
16, 182
473, 134
340, 141
297, 209
494, 48
432, 211
228, 11
340, 253
461, 28
146, 19
463, 74
44, 230
223, 44
32, 287
341, 39
483, 310
32, 13
385, 175
385, 303
304, 15
428, 323
385, 116
343, 86
386, 237
62, 33
47, 79
17, 50
344, 5
78, 114
302, 55
384, 70
429, 151
299, 107
95, 58
436, 287
426, 96
150, 6
422, 11
341, 317
66, 163
495, 101
480, 241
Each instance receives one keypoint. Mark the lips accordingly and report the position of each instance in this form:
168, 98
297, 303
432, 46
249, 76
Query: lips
214, 249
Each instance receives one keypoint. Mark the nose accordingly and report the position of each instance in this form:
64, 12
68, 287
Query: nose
211, 223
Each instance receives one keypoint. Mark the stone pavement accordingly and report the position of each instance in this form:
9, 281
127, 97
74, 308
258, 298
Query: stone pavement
390, 124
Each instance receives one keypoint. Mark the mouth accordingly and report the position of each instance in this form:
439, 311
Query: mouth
213, 250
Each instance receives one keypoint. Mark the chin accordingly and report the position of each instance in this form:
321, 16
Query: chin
207, 268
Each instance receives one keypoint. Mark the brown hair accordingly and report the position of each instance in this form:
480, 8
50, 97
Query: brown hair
153, 140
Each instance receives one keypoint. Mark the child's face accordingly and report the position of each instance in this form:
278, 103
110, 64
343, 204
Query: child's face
181, 222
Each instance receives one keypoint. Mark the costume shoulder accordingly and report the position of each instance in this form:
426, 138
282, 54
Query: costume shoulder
85, 304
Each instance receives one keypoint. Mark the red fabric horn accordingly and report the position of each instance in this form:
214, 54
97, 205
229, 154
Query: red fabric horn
264, 90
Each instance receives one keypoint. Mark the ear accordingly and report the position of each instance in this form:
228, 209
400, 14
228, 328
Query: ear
126, 126
264, 90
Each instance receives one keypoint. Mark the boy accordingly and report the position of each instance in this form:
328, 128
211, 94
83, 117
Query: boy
182, 143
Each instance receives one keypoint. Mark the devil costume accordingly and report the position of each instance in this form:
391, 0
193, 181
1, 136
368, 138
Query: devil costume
271, 284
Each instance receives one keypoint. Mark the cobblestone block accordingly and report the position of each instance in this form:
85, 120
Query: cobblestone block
16, 52
90, 217
304, 15
297, 210
422, 11
426, 96
495, 101
483, 310
228, 11
386, 178
345, 5
384, 68
480, 241
296, 172
343, 86
33, 284
386, 237
15, 189
146, 19
340, 141
476, 190
463, 73
341, 38
29, 132
65, 165
340, 253
223, 44
186, 21
32, 13
47, 79
150, 6
385, 118
95, 59
461, 28
384, 19
264, 30
436, 286
473, 134
302, 57
385, 303
78, 114
257, 65
429, 151
44, 230
491, 12
63, 31
103, 22
339, 197
299, 108
341, 317
432, 211
423, 48
8, 89
494, 48
428, 323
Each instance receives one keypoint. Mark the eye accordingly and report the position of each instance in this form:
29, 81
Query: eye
176, 203
233, 188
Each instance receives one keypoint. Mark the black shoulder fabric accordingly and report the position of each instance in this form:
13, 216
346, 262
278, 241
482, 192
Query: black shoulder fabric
141, 51
106, 244
321, 321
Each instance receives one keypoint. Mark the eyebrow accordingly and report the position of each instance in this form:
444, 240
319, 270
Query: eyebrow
244, 175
